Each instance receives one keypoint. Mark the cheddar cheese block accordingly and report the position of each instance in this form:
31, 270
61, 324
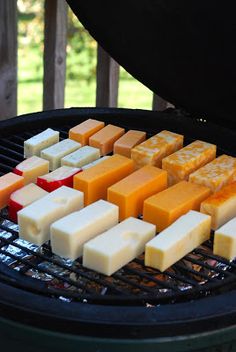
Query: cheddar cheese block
95, 162
35, 144
95, 180
84, 130
31, 168
130, 193
81, 157
182, 163
177, 240
225, 240
154, 149
116, 247
128, 141
8, 184
105, 138
165, 207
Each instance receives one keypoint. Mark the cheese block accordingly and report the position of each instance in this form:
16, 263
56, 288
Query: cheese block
23, 197
8, 184
69, 234
95, 162
105, 138
35, 219
225, 240
165, 207
154, 149
84, 130
81, 157
216, 174
31, 168
177, 240
95, 180
182, 163
128, 141
116, 247
35, 144
56, 152
130, 193
221, 206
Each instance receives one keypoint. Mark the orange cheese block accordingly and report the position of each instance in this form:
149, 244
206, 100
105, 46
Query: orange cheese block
128, 141
84, 130
31, 168
95, 180
216, 174
182, 163
105, 138
165, 207
154, 149
130, 193
8, 184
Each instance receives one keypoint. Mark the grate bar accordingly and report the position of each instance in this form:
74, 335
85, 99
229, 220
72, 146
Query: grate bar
8, 143
10, 153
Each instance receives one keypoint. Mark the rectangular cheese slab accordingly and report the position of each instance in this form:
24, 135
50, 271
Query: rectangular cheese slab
69, 234
35, 144
81, 157
56, 152
31, 168
128, 141
95, 180
154, 149
165, 207
216, 174
116, 247
84, 130
130, 193
8, 184
105, 138
177, 240
35, 220
95, 162
225, 240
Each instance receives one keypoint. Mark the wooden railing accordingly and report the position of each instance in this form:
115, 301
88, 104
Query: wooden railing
55, 33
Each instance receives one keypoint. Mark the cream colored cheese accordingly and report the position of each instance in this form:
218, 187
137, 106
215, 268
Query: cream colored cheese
81, 156
87, 166
225, 240
35, 144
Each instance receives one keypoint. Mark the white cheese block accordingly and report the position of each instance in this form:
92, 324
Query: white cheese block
56, 152
87, 166
35, 144
81, 156
116, 247
35, 220
225, 240
69, 234
177, 240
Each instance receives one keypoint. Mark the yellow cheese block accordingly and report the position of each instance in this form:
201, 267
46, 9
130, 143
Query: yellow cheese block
84, 130
182, 163
130, 193
225, 240
165, 207
154, 149
31, 168
95, 180
8, 184
128, 141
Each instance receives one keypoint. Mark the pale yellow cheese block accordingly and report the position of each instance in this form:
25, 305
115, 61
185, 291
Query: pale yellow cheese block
225, 240
35, 144
81, 157
31, 168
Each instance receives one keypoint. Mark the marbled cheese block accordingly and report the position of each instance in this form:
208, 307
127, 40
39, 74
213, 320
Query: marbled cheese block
128, 141
56, 152
225, 240
69, 234
84, 130
35, 220
81, 157
8, 184
95, 180
116, 247
154, 149
177, 240
105, 138
95, 162
35, 144
165, 207
130, 193
216, 174
182, 163
31, 168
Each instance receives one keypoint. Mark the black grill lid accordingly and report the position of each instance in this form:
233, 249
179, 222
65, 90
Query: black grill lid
183, 50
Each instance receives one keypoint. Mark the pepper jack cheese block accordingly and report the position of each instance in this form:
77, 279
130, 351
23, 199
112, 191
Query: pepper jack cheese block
165, 207
31, 168
84, 130
130, 193
57, 151
35, 144
35, 220
69, 234
182, 163
8, 184
95, 162
154, 149
225, 240
128, 141
221, 206
180, 238
116, 247
81, 157
95, 180
105, 138
216, 174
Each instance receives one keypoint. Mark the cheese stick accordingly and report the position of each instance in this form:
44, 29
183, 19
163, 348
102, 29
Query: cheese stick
35, 144
9, 183
225, 240
81, 157
31, 168
84, 130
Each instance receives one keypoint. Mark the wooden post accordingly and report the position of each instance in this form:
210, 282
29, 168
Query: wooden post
158, 103
55, 31
8, 59
107, 80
